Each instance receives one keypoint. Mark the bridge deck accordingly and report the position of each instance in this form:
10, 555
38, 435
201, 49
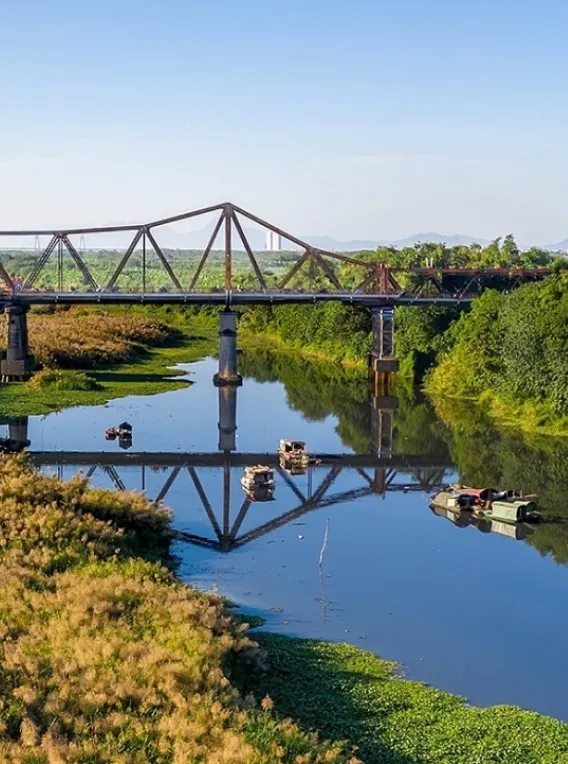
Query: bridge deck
220, 459
222, 298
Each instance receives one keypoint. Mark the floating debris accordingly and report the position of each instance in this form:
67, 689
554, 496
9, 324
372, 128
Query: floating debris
123, 432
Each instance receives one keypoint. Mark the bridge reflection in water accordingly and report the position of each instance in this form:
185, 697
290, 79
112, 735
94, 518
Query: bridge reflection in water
378, 472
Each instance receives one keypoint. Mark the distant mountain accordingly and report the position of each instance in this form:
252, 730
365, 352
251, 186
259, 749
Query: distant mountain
562, 246
437, 238
331, 245
325, 242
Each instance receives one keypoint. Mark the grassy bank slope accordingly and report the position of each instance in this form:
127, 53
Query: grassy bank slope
106, 656
121, 353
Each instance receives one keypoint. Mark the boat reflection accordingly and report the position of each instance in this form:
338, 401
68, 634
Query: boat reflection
516, 531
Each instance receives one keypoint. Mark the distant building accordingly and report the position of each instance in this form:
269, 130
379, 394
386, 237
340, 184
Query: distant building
273, 242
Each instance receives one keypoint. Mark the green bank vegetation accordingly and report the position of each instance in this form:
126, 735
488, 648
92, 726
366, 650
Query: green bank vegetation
91, 356
509, 352
107, 656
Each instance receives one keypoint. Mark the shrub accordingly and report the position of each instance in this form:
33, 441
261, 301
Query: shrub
62, 380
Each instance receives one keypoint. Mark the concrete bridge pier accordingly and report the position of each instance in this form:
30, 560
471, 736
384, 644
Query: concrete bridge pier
227, 417
382, 424
382, 361
227, 374
19, 363
383, 409
18, 433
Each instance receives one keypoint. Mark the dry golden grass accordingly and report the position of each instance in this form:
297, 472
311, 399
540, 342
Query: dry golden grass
105, 655
79, 339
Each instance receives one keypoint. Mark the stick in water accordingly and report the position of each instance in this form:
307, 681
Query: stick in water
324, 545
322, 551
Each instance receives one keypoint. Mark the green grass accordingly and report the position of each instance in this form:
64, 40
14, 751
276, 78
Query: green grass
346, 693
151, 374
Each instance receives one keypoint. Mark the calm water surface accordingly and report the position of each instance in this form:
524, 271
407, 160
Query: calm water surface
476, 613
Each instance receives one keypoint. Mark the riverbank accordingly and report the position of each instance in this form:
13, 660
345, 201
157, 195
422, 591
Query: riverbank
107, 656
116, 354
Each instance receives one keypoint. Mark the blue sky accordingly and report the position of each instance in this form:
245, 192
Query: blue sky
356, 119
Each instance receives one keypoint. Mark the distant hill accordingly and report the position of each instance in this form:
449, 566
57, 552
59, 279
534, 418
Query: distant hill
325, 242
562, 246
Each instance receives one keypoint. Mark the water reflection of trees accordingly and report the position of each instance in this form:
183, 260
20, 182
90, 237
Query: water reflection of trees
319, 390
483, 453
503, 457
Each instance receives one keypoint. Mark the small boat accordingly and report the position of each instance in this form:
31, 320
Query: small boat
294, 457
293, 450
123, 432
260, 494
257, 479
503, 506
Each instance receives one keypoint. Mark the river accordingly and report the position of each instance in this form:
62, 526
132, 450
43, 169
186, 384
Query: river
475, 611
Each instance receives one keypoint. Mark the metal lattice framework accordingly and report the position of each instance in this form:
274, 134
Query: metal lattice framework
410, 474
376, 279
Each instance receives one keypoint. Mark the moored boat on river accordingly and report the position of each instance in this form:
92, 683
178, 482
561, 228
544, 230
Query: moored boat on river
294, 457
503, 506
258, 479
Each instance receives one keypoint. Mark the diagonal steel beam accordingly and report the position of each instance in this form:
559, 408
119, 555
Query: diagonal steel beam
205, 501
290, 483
294, 269
125, 258
367, 281
249, 252
329, 272
326, 484
185, 216
168, 484
6, 277
295, 240
164, 261
115, 477
239, 519
79, 262
207, 252
44, 257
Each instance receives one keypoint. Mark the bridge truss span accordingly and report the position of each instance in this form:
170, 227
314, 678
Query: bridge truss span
307, 274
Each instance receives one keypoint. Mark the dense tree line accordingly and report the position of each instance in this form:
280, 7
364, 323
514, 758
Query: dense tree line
512, 347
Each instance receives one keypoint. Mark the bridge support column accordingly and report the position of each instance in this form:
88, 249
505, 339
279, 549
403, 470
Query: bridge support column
18, 433
227, 374
382, 424
227, 417
382, 362
383, 409
19, 363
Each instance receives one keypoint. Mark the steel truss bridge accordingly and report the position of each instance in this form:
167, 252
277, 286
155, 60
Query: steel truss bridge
376, 475
376, 283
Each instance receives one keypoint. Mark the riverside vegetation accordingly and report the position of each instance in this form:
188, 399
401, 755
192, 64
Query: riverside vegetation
506, 352
91, 355
107, 656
